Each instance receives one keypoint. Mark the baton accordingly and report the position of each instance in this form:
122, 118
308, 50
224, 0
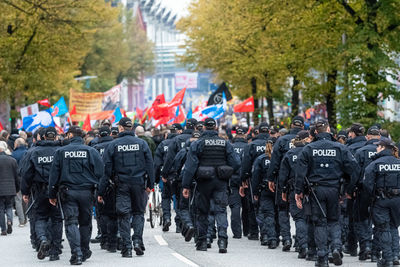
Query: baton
30, 206
60, 206
315, 196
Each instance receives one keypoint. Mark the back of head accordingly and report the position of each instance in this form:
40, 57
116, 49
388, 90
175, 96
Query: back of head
263, 127
104, 131
19, 142
23, 135
357, 128
139, 131
126, 123
75, 130
298, 122
191, 123
322, 126
210, 124
3, 146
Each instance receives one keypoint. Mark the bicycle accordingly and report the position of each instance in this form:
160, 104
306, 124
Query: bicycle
154, 206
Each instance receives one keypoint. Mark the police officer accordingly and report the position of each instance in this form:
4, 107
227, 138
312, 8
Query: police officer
356, 141
159, 159
129, 164
177, 144
250, 153
239, 142
265, 198
382, 181
75, 174
212, 161
35, 178
185, 212
362, 225
323, 163
107, 217
287, 175
282, 145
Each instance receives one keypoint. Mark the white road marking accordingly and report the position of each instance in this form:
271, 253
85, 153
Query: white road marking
161, 240
185, 260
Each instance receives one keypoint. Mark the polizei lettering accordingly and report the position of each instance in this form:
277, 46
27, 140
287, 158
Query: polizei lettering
48, 159
371, 154
75, 154
101, 151
389, 167
127, 148
215, 142
260, 148
238, 150
165, 148
324, 152
294, 158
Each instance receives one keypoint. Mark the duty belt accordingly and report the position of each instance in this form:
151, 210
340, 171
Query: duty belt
388, 193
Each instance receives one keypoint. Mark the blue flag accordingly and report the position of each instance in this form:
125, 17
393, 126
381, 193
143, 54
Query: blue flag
214, 111
117, 115
41, 119
59, 108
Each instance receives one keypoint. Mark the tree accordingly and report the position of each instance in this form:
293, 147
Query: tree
42, 44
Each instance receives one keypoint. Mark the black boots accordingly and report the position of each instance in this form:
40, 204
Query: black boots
75, 260
201, 245
222, 245
43, 249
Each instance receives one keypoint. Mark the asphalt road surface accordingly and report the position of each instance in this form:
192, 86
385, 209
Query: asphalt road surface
162, 249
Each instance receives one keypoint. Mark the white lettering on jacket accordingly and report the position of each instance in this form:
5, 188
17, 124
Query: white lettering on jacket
215, 142
294, 158
389, 167
238, 150
371, 154
324, 152
48, 159
260, 148
183, 144
101, 151
165, 148
267, 161
127, 148
75, 154
291, 145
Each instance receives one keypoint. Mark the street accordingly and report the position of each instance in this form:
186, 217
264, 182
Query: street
162, 249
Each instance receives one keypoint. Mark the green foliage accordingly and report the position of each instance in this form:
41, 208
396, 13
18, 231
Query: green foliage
351, 45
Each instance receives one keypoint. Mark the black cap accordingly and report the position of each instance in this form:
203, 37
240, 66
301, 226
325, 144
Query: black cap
273, 129
125, 122
196, 134
210, 123
357, 128
177, 126
51, 132
302, 135
321, 123
104, 131
298, 121
374, 131
106, 122
385, 142
240, 130
76, 130
191, 123
263, 127
114, 130
342, 134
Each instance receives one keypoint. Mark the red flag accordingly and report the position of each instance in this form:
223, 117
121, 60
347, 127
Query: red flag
44, 102
73, 111
139, 113
160, 99
178, 98
246, 106
1, 127
86, 125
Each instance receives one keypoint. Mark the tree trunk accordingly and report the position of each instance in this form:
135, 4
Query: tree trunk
295, 97
331, 98
270, 100
256, 107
